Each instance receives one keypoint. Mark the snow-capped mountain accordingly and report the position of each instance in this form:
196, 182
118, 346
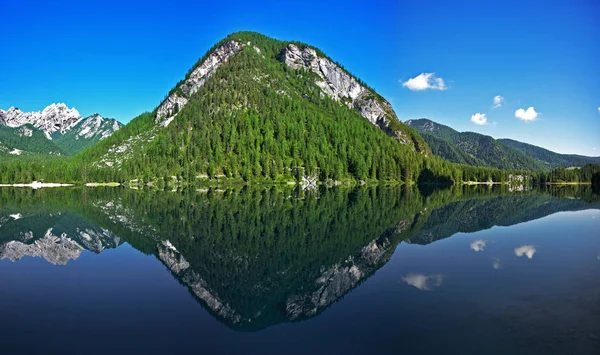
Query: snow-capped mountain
86, 132
54, 118
65, 126
95, 126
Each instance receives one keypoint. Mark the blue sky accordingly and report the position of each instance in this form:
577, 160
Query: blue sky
121, 58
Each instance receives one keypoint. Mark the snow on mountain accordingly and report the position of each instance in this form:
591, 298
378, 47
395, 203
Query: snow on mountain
95, 126
58, 122
54, 118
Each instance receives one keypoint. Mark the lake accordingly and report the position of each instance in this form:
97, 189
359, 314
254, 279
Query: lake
273, 270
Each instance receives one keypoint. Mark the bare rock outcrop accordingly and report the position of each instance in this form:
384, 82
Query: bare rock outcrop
177, 99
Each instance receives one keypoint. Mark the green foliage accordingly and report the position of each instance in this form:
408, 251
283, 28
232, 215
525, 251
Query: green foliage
71, 143
585, 174
473, 148
548, 158
15, 138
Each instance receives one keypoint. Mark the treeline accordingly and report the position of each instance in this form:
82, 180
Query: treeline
585, 174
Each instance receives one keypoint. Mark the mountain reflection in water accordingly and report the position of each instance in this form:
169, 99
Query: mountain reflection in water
257, 257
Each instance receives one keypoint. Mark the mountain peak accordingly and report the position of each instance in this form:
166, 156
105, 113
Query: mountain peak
331, 78
54, 118
59, 122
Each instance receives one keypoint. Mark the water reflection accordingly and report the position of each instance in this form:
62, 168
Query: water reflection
496, 264
258, 257
478, 245
423, 282
528, 250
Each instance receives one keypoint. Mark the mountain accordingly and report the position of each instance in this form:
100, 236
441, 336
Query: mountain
256, 107
55, 119
58, 237
64, 129
548, 158
86, 132
25, 140
473, 148
334, 82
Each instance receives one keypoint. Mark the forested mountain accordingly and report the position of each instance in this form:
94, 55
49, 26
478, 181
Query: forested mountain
473, 148
254, 107
257, 109
86, 132
25, 140
548, 158
62, 128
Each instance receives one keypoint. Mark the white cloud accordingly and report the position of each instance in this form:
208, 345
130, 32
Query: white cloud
479, 119
425, 81
527, 115
528, 250
478, 245
598, 108
498, 101
423, 282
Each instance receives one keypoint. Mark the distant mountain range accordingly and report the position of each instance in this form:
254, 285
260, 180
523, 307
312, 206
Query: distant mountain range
478, 149
56, 130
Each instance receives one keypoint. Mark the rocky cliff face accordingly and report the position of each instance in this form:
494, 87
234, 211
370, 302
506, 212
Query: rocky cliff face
95, 127
341, 86
86, 132
70, 131
55, 247
337, 280
175, 102
56, 118
181, 268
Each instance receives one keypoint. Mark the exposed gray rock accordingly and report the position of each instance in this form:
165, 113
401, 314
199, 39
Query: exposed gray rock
169, 108
96, 240
341, 86
54, 118
95, 127
171, 257
24, 131
177, 100
337, 280
55, 249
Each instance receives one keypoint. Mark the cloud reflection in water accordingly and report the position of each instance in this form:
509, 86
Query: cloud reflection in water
423, 282
527, 250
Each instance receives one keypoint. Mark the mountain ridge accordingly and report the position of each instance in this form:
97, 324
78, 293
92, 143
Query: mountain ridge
66, 130
548, 157
333, 79
477, 149
248, 108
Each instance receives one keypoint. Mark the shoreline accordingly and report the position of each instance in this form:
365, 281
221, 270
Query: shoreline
37, 185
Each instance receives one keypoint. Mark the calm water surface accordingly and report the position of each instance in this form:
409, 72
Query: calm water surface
277, 271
